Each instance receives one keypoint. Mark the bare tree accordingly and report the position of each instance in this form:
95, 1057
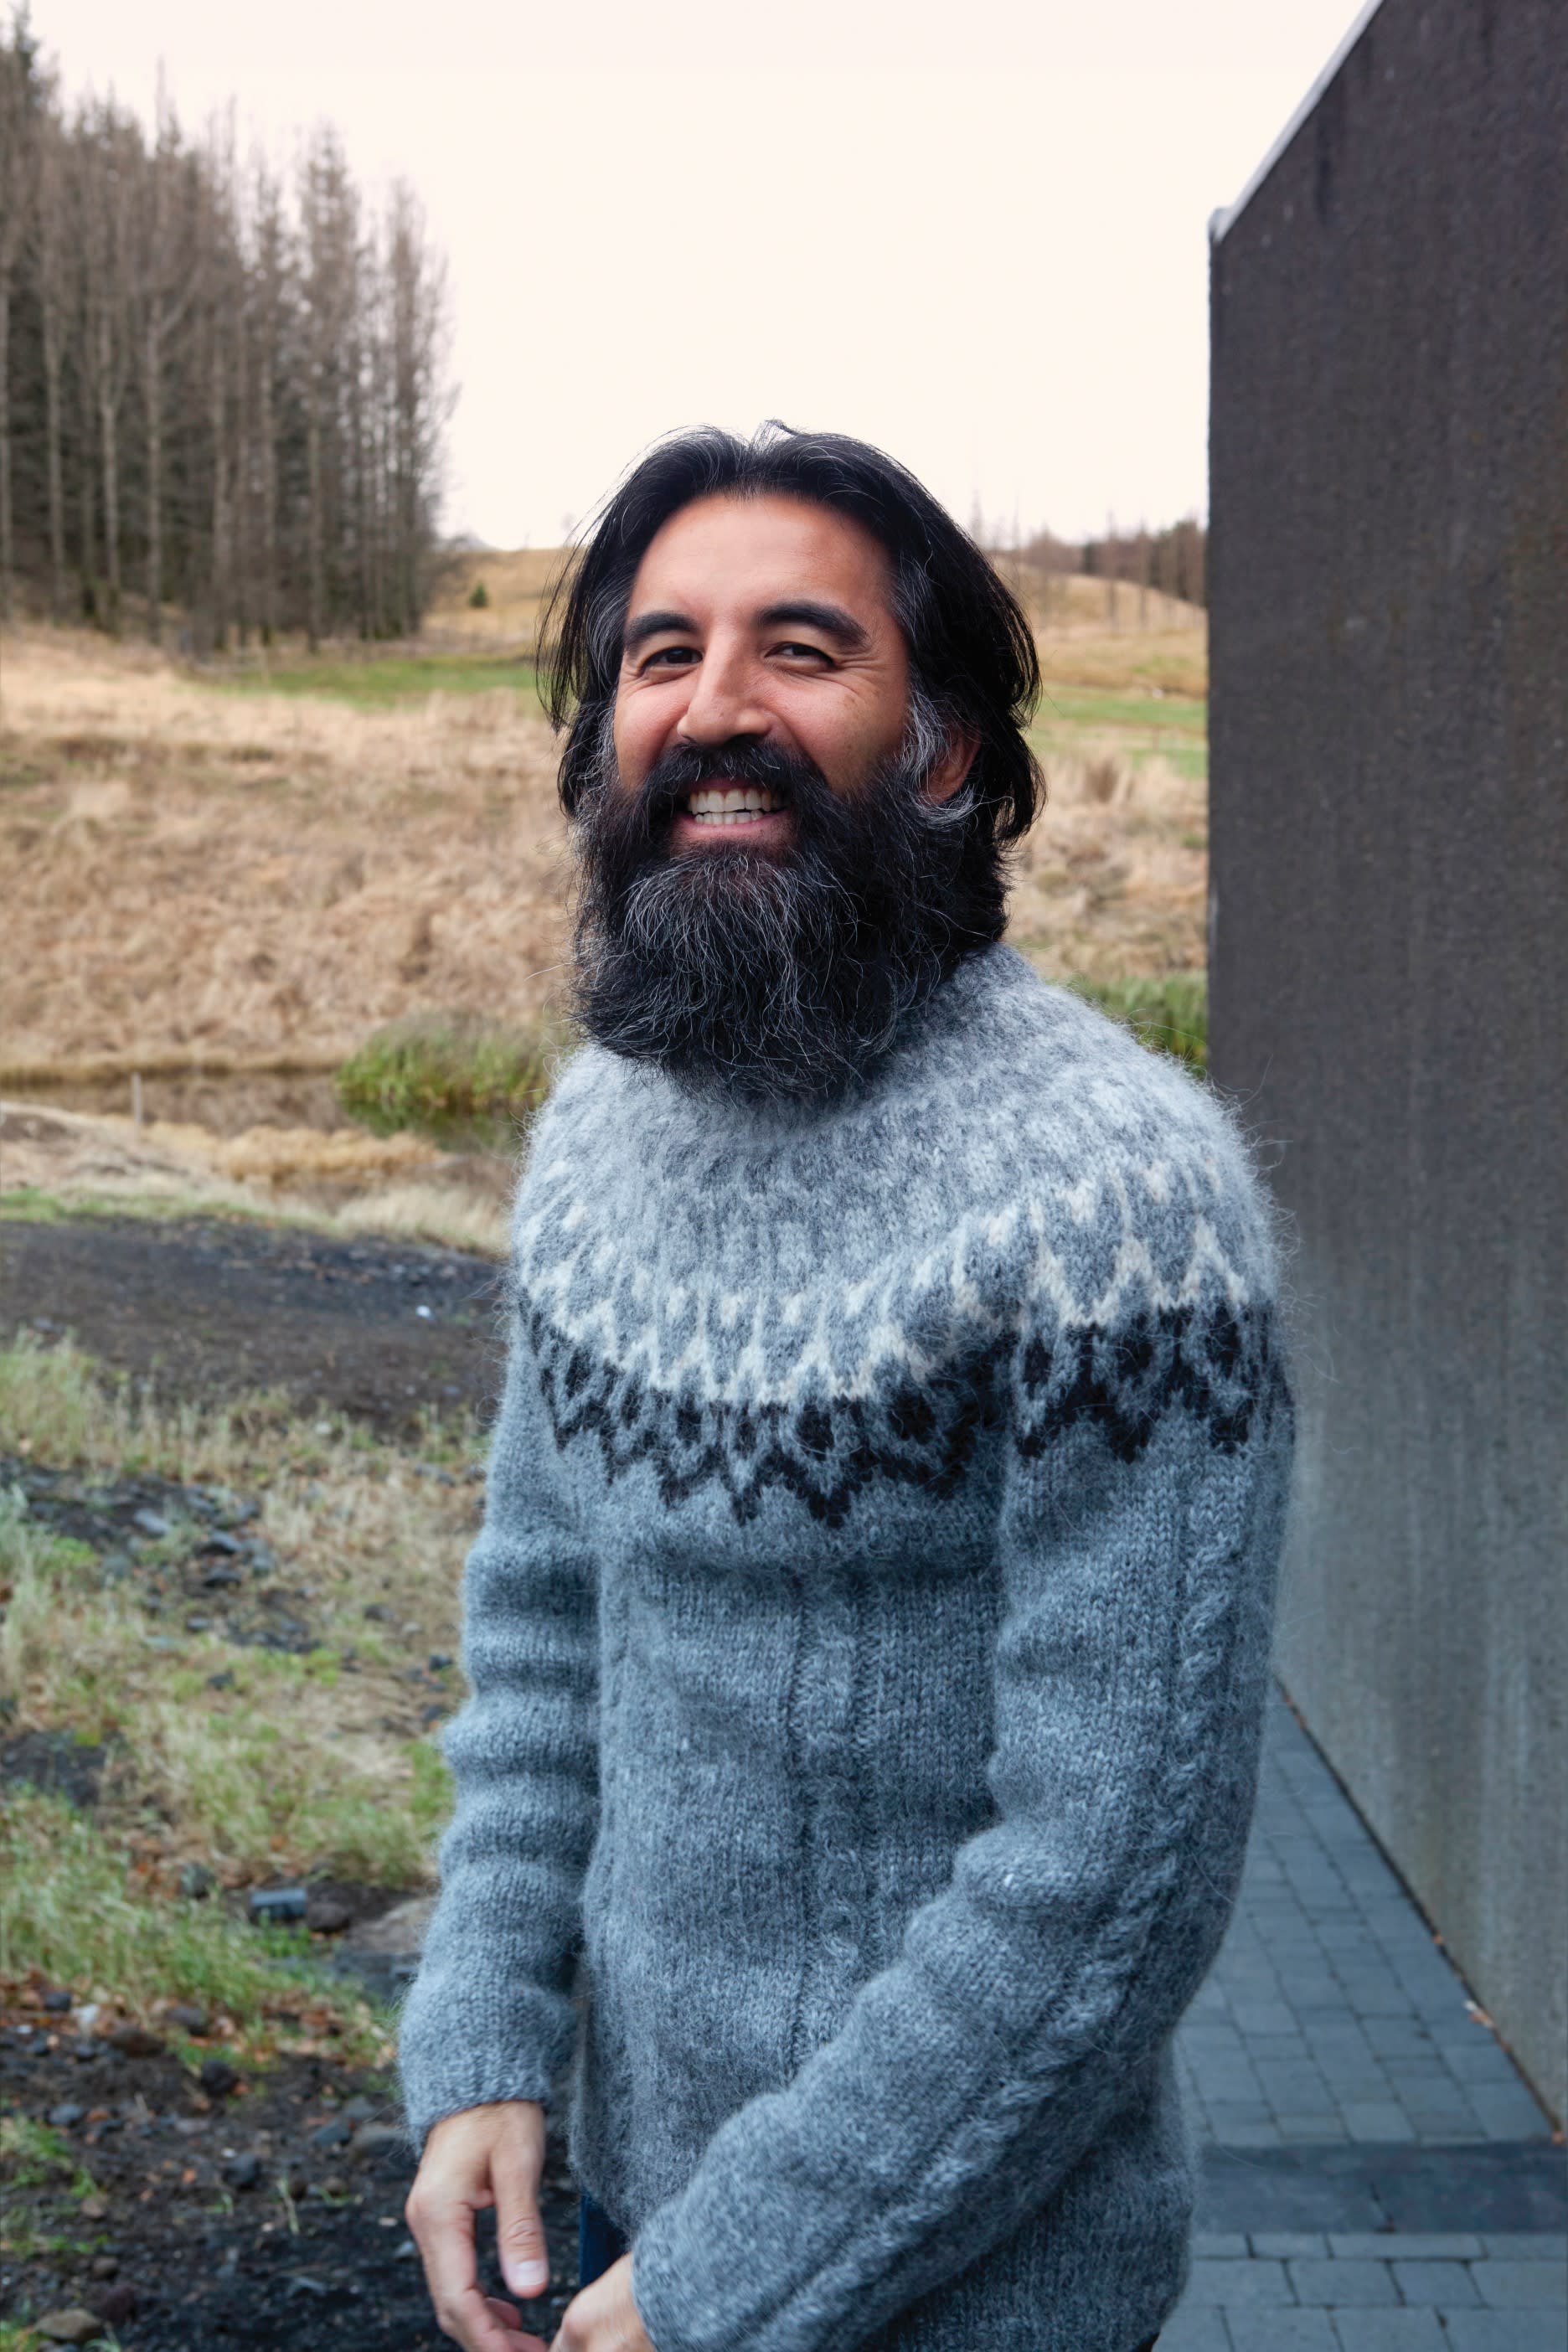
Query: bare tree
19, 96
240, 392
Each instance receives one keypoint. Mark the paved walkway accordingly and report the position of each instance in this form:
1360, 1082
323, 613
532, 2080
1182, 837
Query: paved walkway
1378, 2178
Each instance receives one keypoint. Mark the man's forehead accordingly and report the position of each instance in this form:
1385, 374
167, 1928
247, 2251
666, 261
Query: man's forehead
760, 550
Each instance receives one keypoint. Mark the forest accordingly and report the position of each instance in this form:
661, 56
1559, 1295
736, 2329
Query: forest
222, 382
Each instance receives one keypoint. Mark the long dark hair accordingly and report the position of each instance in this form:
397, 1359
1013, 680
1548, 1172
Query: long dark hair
971, 650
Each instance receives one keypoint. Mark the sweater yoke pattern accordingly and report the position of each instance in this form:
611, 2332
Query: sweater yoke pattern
898, 1372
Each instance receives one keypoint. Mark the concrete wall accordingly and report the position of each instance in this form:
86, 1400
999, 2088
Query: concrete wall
1389, 933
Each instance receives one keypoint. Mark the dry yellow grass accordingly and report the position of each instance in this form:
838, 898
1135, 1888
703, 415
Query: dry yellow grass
200, 876
249, 875
517, 582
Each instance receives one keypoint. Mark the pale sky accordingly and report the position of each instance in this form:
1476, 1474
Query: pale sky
975, 233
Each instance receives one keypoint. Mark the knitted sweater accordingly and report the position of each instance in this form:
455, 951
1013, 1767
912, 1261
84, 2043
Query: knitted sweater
867, 1639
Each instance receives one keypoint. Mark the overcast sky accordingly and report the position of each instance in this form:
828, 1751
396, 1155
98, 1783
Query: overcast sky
975, 232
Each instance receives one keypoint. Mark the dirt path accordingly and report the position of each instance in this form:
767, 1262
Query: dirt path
210, 1308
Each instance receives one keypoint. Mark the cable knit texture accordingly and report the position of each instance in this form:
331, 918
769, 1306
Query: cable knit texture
868, 1640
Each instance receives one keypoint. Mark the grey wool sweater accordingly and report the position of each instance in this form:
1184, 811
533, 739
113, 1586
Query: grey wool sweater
868, 1641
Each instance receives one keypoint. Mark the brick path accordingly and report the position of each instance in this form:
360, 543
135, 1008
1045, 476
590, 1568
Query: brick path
1378, 2176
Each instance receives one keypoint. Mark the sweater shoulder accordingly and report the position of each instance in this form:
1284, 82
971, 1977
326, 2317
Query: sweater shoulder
1058, 1108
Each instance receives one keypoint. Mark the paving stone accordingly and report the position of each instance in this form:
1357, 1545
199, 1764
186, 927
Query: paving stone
1445, 2283
1521, 2285
1256, 2329
1526, 2245
1406, 2245
1247, 2282
1508, 2111
1500, 2331
1338, 2282
1195, 2327
1286, 2245
1389, 2331
1376, 2119
1219, 2245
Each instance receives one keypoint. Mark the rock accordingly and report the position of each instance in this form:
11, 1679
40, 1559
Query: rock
84, 2018
106, 2266
72, 2326
63, 2116
370, 2139
327, 1916
278, 1903
244, 2170
334, 2184
189, 2018
196, 1881
376, 1614
439, 1662
56, 2001
150, 1522
135, 2042
336, 2133
218, 1576
218, 2078
358, 2110
221, 1682
118, 2305
218, 1541
94, 2209
86, 2050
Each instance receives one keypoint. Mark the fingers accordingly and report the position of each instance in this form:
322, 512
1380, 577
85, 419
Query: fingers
519, 2233
443, 2229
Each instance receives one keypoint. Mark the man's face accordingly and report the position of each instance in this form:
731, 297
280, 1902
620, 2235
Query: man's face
766, 621
767, 884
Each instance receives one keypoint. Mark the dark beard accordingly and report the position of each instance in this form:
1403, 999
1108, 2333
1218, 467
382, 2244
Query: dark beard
773, 979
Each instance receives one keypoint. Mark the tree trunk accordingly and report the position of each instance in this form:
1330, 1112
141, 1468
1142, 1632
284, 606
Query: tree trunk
6, 556
53, 467
152, 399
108, 424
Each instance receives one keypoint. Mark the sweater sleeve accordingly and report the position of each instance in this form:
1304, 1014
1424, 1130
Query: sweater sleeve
1139, 1537
490, 2015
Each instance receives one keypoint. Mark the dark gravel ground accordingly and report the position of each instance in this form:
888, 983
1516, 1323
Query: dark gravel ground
184, 2236
270, 2219
209, 1308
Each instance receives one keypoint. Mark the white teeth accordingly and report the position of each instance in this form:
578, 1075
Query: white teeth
730, 803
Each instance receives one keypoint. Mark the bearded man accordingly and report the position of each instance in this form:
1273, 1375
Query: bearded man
869, 1627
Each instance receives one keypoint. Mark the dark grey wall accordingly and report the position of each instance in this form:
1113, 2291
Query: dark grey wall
1389, 933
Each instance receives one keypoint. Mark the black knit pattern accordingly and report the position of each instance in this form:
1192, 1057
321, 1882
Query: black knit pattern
1218, 1364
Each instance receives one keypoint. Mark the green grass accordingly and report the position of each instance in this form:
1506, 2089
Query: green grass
383, 682
1170, 1014
1076, 720
81, 1923
447, 1074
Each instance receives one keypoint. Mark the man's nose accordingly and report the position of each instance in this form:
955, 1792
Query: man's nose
724, 701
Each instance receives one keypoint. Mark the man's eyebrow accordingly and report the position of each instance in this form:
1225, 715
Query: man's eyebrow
831, 619
656, 625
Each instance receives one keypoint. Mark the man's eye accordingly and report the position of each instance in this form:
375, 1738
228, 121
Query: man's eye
670, 656
814, 653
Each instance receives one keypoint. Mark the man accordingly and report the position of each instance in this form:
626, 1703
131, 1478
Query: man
869, 1631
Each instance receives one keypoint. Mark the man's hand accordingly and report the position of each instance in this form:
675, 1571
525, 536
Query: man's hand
486, 2156
603, 2317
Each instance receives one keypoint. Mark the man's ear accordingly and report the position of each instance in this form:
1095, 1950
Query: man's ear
950, 771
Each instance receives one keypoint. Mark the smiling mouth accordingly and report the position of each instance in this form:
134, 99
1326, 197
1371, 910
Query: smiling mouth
730, 803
